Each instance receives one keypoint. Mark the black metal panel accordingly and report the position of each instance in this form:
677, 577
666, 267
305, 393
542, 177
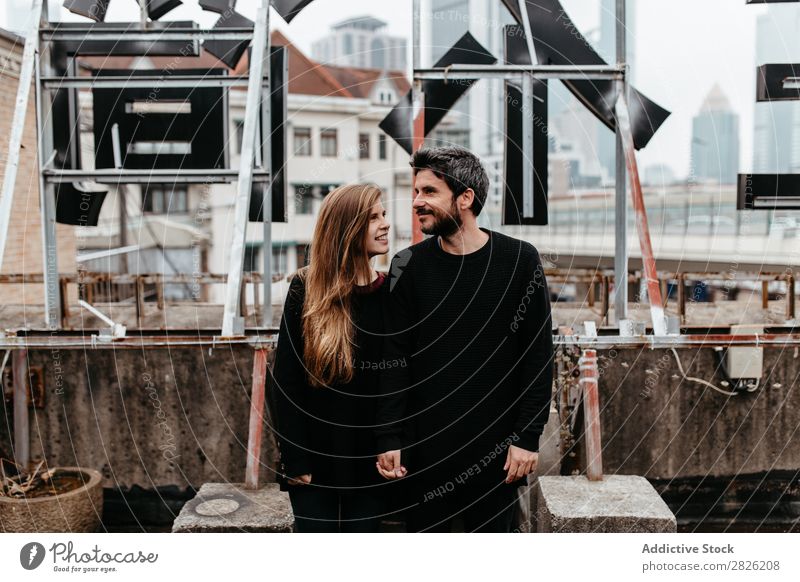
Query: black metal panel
770, 79
229, 51
279, 95
218, 6
65, 123
768, 192
205, 127
516, 116
94, 9
514, 163
77, 206
440, 96
62, 50
158, 8
288, 9
557, 41
65, 101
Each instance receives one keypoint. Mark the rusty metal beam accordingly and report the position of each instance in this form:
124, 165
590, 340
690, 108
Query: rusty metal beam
256, 419
591, 415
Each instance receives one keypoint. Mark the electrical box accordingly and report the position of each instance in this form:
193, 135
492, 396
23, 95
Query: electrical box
744, 362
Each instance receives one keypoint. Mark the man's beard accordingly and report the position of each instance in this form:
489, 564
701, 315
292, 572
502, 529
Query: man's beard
444, 224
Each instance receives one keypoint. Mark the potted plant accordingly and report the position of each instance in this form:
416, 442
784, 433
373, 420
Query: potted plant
60, 499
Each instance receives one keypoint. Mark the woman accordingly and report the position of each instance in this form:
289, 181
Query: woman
327, 368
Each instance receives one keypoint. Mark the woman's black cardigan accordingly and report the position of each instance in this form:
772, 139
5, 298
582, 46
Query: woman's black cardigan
328, 431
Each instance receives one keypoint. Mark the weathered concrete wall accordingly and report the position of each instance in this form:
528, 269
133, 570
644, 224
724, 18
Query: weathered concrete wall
156, 418
149, 418
658, 425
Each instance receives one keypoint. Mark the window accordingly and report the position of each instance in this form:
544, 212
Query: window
251, 263
302, 255
306, 195
302, 141
328, 145
239, 124
382, 146
378, 54
363, 146
165, 199
280, 261
304, 199
450, 137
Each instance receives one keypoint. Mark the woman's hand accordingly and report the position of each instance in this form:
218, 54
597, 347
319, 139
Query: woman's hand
388, 465
300, 480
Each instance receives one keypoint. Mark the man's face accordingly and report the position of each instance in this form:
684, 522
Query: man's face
434, 205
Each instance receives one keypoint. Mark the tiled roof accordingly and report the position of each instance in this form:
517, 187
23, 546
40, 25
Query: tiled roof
360, 81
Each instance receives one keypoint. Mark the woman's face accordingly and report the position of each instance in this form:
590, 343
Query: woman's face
377, 232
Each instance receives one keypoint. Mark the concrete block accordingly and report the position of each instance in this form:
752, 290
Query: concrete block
618, 503
229, 507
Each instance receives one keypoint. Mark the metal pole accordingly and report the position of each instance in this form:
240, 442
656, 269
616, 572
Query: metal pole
121, 198
232, 322
620, 199
591, 415
527, 148
47, 192
256, 425
143, 13
642, 228
18, 124
527, 128
22, 437
266, 163
418, 104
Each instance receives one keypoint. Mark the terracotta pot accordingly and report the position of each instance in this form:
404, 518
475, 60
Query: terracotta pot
79, 510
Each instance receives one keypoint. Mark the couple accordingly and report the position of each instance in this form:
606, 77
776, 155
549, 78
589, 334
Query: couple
420, 392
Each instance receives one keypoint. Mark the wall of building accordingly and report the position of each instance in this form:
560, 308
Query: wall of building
23, 253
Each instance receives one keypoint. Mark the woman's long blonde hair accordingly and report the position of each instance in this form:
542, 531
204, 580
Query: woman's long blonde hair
338, 260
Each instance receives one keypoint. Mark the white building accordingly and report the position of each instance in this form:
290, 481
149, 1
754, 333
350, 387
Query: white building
361, 42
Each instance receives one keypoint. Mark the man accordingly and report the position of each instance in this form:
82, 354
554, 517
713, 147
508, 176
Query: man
469, 311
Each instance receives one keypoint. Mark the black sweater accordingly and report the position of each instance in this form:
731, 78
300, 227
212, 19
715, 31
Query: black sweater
477, 332
329, 431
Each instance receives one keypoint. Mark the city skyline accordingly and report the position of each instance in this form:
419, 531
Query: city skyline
715, 140
677, 75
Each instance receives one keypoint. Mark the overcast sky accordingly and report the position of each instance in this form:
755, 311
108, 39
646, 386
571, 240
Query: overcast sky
682, 48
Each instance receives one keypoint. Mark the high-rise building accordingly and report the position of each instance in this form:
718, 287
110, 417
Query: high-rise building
361, 42
776, 132
715, 140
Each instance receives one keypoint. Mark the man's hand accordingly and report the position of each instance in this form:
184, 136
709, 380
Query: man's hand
389, 466
519, 463
300, 480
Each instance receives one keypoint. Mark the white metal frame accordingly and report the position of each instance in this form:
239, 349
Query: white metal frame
37, 63
523, 74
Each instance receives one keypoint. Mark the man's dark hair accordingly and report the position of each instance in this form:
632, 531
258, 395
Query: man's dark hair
458, 167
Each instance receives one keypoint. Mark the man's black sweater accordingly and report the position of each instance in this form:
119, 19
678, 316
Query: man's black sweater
477, 333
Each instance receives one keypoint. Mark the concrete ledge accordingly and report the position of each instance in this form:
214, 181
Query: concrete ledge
618, 503
229, 507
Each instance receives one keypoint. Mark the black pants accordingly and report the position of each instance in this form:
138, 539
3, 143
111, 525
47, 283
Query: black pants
320, 509
481, 511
